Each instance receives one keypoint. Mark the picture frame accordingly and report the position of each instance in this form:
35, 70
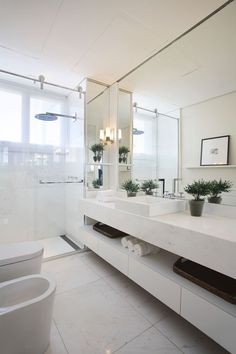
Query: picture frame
215, 151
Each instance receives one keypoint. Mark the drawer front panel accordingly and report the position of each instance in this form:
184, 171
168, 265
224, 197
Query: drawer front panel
210, 319
161, 287
89, 240
113, 256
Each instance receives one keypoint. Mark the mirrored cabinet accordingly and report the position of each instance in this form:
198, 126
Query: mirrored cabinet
98, 136
124, 136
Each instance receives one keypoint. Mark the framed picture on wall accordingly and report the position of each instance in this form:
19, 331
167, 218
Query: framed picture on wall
215, 151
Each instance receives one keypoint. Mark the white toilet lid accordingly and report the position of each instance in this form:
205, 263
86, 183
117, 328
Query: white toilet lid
16, 252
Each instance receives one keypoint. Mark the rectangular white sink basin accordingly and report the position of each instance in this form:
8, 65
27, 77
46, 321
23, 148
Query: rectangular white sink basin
150, 206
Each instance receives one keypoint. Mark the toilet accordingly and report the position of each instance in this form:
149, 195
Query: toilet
26, 314
20, 259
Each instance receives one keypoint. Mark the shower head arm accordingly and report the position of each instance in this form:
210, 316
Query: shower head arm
64, 115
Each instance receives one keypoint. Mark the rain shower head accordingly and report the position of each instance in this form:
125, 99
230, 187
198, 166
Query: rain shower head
47, 117
137, 132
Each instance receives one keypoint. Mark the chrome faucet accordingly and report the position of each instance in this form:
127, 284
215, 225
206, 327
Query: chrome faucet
174, 189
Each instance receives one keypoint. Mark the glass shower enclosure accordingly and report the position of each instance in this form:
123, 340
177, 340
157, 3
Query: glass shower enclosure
41, 165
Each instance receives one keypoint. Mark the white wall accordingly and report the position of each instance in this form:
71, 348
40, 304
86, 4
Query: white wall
214, 117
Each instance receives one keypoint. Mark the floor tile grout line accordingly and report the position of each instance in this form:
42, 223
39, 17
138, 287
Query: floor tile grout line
78, 287
158, 330
60, 335
133, 306
129, 303
152, 324
122, 346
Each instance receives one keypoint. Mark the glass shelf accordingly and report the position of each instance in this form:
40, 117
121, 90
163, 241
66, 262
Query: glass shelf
99, 164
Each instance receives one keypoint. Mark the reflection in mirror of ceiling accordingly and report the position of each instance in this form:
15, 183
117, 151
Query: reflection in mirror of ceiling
199, 66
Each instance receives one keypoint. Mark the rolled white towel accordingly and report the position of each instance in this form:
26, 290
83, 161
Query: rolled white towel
141, 249
131, 243
144, 248
125, 239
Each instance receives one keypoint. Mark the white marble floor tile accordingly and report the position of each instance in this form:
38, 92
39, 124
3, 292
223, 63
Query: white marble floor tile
94, 319
146, 304
69, 272
187, 337
149, 342
56, 344
98, 265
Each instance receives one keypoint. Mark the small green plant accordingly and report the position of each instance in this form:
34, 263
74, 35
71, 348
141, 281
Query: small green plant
131, 187
123, 154
97, 183
218, 187
97, 149
148, 186
198, 189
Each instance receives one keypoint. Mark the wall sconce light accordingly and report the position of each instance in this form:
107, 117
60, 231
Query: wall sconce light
119, 134
106, 136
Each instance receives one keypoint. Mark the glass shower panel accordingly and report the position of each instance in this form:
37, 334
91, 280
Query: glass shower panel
144, 147
41, 164
155, 149
42, 132
10, 116
167, 150
74, 168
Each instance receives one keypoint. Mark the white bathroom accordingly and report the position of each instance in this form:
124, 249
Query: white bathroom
118, 177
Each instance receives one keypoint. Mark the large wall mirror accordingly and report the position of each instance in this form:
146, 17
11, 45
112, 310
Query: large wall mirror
184, 94
124, 127
97, 119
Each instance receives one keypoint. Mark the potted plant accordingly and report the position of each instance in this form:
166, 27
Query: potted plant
97, 183
131, 188
100, 149
97, 149
123, 154
216, 188
197, 189
148, 186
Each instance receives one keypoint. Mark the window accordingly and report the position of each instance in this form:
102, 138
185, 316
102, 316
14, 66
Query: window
10, 116
43, 132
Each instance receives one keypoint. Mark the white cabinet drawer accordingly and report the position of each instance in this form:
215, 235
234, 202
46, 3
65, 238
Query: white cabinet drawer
113, 256
87, 238
216, 323
161, 287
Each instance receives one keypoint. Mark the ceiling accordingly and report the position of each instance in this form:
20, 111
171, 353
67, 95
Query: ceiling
199, 66
67, 40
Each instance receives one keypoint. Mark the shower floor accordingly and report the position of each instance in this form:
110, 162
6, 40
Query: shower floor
56, 247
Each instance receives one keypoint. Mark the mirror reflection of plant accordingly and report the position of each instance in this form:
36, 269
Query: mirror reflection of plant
97, 183
131, 188
123, 154
97, 149
216, 188
148, 186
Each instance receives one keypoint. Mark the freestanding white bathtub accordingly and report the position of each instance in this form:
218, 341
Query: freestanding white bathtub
26, 305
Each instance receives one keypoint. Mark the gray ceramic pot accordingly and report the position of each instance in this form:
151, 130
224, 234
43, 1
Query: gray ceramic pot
131, 194
149, 192
196, 207
215, 200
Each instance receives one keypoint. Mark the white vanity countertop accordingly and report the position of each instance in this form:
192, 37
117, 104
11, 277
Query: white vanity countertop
209, 240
